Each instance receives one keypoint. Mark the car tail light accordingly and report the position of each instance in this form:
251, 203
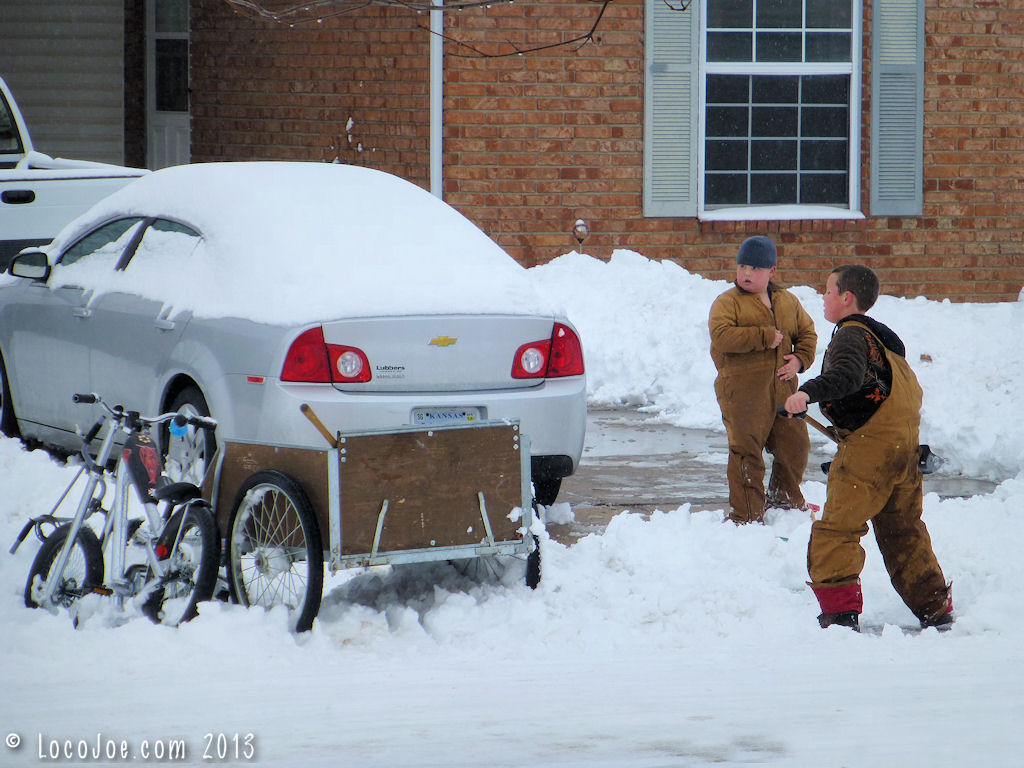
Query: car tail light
566, 352
348, 364
561, 355
311, 359
307, 358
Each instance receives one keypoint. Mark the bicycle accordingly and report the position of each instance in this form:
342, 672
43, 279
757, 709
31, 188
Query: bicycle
169, 558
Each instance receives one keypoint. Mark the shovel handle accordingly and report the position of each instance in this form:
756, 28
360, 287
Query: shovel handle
310, 414
812, 421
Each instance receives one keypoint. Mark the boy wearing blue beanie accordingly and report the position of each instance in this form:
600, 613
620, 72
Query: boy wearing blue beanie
761, 338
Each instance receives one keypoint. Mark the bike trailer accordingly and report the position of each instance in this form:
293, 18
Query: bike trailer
398, 496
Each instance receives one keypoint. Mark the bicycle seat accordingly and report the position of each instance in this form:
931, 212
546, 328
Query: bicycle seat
177, 493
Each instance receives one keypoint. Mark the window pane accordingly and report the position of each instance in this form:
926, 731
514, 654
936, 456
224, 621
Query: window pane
823, 155
727, 121
773, 189
730, 13
728, 89
729, 46
723, 155
106, 242
725, 189
828, 46
824, 189
171, 16
773, 155
825, 89
172, 75
829, 14
779, 46
783, 89
825, 121
779, 13
774, 121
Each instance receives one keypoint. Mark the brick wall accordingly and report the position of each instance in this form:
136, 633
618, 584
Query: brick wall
531, 143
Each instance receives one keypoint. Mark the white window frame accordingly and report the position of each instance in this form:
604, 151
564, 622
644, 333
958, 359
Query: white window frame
796, 211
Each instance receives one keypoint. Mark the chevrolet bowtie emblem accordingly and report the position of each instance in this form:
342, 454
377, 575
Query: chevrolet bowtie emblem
442, 341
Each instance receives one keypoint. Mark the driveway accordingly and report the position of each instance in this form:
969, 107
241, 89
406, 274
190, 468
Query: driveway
631, 463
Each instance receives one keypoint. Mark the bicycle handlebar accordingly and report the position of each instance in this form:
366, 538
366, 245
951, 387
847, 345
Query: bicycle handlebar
132, 420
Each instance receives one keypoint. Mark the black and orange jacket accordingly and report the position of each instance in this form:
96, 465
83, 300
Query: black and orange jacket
855, 376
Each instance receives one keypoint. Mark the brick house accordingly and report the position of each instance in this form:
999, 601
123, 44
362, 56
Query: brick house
889, 133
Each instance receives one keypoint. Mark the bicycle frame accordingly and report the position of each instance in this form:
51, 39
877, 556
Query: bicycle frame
167, 560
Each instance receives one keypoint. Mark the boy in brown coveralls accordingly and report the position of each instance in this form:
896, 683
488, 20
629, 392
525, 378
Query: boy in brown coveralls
761, 338
868, 391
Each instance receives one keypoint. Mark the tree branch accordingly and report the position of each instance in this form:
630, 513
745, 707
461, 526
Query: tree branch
315, 11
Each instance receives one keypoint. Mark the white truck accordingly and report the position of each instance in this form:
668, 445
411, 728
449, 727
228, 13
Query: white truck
39, 194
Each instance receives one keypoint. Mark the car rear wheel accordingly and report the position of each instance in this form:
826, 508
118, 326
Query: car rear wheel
546, 491
188, 457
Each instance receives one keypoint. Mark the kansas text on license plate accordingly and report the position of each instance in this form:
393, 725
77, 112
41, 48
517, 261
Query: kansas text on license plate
445, 415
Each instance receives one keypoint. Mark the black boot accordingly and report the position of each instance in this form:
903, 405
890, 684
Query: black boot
849, 619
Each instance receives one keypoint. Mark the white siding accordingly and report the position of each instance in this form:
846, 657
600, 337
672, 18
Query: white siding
64, 61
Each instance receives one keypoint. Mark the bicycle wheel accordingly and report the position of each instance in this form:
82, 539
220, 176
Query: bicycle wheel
274, 551
191, 569
82, 573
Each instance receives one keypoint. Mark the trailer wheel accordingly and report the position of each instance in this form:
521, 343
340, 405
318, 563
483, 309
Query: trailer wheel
275, 556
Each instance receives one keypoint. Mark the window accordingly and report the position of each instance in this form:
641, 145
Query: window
104, 244
779, 113
164, 240
752, 109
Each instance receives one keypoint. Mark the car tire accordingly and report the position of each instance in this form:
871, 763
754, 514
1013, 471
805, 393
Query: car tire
546, 491
8, 421
187, 459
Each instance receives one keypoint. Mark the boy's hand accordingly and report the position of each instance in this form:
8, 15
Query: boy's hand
797, 402
790, 368
778, 339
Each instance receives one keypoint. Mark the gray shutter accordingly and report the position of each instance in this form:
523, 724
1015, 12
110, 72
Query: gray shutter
897, 107
670, 110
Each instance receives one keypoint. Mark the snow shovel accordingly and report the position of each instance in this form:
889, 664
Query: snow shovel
928, 461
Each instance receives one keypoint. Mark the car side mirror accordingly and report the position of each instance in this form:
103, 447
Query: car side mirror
33, 265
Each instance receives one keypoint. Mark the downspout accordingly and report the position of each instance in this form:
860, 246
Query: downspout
436, 100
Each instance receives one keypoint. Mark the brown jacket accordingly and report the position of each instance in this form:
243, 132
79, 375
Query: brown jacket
743, 328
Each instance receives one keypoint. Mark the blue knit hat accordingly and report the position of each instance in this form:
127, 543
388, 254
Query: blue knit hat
757, 251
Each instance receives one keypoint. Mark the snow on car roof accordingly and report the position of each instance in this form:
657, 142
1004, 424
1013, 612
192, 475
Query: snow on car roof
289, 242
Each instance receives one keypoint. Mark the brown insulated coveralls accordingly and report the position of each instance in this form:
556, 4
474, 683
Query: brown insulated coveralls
750, 393
875, 476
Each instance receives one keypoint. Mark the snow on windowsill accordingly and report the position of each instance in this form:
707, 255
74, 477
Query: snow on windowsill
778, 212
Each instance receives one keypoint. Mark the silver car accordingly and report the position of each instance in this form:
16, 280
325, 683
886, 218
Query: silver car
242, 290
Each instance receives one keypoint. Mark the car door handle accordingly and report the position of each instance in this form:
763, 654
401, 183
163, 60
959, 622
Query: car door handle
163, 323
82, 312
18, 196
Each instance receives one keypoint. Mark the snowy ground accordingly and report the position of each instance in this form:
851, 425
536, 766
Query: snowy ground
673, 641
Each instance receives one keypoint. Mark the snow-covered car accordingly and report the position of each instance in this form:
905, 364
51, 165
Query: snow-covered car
242, 290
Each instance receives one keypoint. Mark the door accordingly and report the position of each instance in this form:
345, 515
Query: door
52, 333
131, 336
167, 94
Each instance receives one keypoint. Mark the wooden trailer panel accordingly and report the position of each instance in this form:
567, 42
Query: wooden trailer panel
431, 480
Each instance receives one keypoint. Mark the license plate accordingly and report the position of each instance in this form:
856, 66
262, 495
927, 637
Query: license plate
435, 416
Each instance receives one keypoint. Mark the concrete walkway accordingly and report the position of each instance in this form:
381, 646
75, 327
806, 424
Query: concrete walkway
630, 463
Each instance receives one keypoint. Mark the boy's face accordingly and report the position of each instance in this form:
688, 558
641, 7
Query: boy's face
837, 304
753, 279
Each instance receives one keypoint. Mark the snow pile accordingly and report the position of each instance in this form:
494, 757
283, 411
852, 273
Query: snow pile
645, 337
669, 641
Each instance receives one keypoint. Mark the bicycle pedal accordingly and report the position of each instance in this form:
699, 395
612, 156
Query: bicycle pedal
105, 591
